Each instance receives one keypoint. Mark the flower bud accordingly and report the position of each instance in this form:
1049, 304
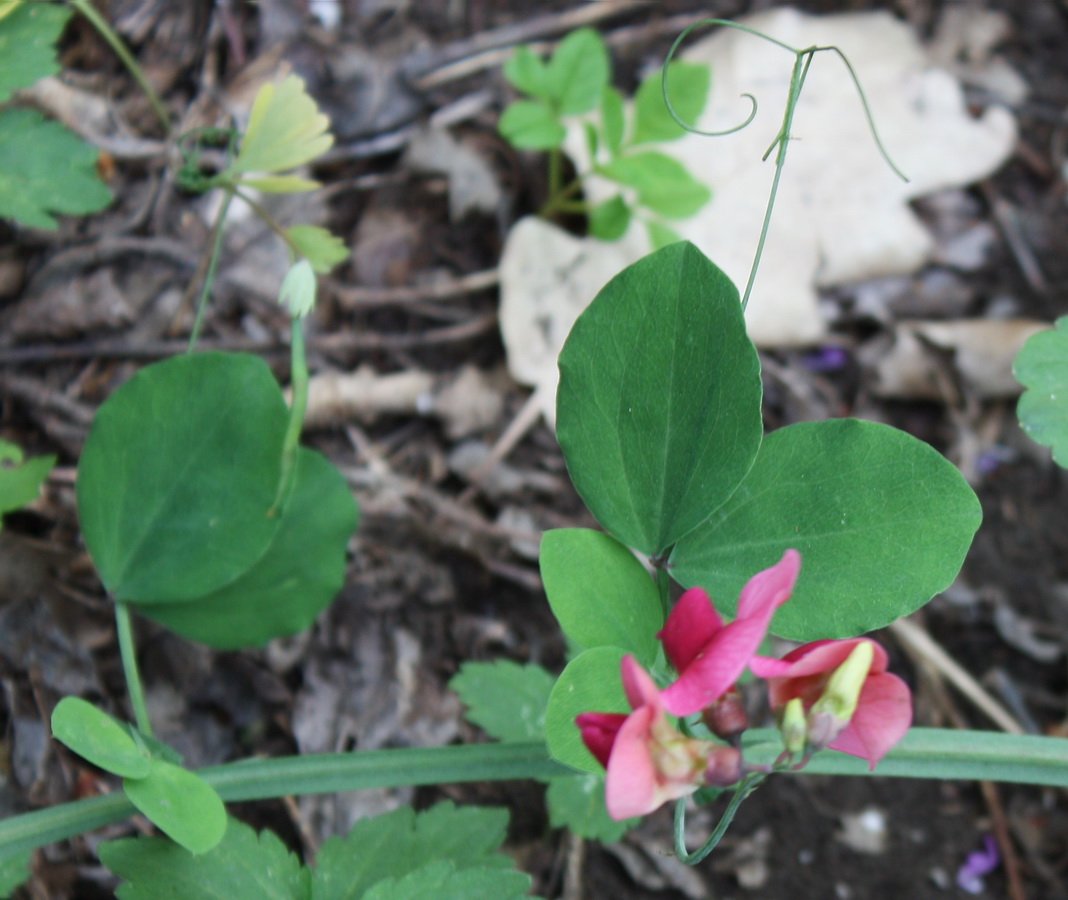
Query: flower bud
726, 718
794, 727
724, 767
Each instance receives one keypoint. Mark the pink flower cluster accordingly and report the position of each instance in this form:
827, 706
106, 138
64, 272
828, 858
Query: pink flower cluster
834, 694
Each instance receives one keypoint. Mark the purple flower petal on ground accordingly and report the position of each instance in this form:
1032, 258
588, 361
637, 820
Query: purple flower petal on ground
980, 863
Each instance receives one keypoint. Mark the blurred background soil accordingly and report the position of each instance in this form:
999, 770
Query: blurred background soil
443, 567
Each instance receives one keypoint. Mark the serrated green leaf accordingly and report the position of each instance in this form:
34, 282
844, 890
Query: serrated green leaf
28, 33
881, 519
531, 125
660, 235
297, 294
285, 129
505, 699
591, 682
441, 881
612, 119
45, 169
600, 594
20, 479
663, 183
527, 72
297, 576
1042, 368
178, 474
180, 804
14, 872
576, 802
244, 866
687, 85
578, 72
400, 842
317, 245
658, 411
609, 220
97, 737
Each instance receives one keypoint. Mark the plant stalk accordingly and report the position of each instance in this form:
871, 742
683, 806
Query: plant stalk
128, 652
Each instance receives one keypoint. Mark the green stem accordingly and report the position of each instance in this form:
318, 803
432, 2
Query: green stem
128, 652
209, 276
663, 585
260, 210
117, 44
923, 753
299, 378
257, 779
748, 784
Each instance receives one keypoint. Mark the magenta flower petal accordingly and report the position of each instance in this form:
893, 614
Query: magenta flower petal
768, 590
599, 731
693, 622
638, 684
709, 659
631, 787
883, 715
715, 670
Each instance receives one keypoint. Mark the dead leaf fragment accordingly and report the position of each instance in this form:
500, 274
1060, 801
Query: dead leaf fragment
841, 214
982, 352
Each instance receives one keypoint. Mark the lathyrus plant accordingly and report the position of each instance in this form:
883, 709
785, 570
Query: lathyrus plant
202, 512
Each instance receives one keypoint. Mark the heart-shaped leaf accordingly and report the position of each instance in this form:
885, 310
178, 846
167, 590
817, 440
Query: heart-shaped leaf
881, 519
178, 474
299, 574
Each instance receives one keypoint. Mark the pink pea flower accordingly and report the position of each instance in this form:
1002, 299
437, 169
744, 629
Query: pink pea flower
709, 655
877, 716
648, 761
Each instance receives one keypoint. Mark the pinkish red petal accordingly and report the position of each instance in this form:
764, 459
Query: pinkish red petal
768, 590
631, 787
638, 684
715, 669
599, 731
883, 715
693, 622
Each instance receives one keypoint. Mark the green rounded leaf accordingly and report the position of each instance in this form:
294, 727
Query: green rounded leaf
612, 119
530, 125
663, 183
658, 411
609, 220
180, 804
578, 72
527, 72
20, 480
1042, 368
687, 85
881, 519
599, 592
590, 683
178, 474
97, 737
299, 575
